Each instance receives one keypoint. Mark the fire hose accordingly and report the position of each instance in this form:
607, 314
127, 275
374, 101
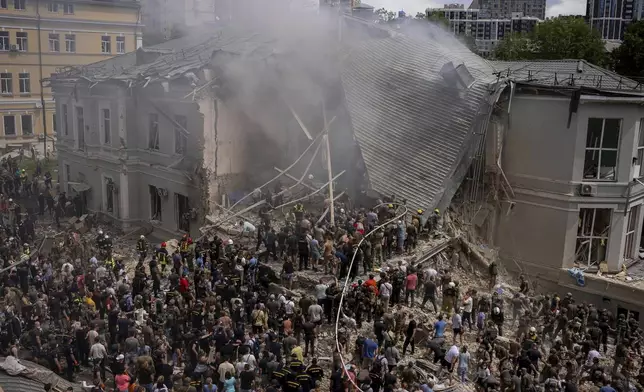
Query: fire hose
346, 282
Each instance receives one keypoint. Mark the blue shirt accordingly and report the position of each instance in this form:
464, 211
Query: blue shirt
229, 385
369, 348
439, 327
426, 388
607, 388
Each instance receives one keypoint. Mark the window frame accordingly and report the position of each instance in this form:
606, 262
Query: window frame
180, 139
632, 218
22, 124
601, 149
5, 41
120, 45
22, 41
64, 119
153, 126
603, 237
4, 4
70, 41
106, 44
106, 124
79, 116
21, 81
4, 124
108, 194
67, 7
23, 5
6, 79
155, 201
52, 7
54, 43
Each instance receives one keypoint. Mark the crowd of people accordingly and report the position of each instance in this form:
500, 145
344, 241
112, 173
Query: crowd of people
219, 314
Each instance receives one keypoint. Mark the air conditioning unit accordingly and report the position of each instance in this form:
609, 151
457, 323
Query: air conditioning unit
13, 48
588, 190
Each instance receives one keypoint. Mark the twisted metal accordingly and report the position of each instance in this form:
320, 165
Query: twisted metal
346, 281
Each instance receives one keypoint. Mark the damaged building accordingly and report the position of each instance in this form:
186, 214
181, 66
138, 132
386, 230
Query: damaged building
565, 149
547, 153
166, 134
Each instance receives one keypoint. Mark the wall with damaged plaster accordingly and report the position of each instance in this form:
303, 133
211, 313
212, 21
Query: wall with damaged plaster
125, 158
225, 152
543, 160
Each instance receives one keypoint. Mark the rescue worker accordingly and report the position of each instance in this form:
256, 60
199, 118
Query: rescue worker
100, 238
142, 247
162, 256
298, 210
26, 250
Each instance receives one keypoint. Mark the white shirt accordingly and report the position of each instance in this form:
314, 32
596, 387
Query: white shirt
248, 227
289, 307
468, 303
97, 351
386, 289
452, 354
456, 321
429, 272
320, 291
592, 354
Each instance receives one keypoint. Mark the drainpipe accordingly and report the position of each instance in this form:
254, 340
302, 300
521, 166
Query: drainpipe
42, 92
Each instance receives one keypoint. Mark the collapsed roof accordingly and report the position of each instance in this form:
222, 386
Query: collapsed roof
416, 106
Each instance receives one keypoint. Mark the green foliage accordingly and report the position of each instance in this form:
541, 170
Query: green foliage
555, 39
385, 16
515, 47
629, 56
437, 17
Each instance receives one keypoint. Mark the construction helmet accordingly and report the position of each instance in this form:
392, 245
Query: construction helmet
163, 245
420, 211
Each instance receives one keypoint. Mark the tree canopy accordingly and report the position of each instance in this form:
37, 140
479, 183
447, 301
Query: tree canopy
629, 56
558, 38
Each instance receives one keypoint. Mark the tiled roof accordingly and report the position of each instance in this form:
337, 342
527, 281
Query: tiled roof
566, 73
413, 129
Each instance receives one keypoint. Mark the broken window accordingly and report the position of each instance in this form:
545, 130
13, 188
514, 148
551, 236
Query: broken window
155, 203
631, 225
9, 125
592, 235
80, 127
180, 139
602, 142
153, 135
63, 109
640, 149
109, 195
106, 121
183, 212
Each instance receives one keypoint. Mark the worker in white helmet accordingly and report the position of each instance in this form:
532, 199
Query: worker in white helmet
142, 247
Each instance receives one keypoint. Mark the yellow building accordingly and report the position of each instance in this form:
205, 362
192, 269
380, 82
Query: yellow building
39, 37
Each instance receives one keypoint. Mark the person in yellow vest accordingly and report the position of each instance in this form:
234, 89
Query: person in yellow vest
110, 263
162, 256
26, 250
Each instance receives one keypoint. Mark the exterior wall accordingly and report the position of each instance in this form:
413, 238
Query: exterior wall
543, 160
90, 21
129, 162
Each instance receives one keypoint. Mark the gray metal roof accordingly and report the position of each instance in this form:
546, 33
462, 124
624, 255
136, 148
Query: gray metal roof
33, 380
412, 128
566, 73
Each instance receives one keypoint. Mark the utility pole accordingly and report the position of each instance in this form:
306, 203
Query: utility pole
42, 90
328, 165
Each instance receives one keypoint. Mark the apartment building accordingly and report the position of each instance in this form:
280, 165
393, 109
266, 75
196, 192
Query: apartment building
38, 37
486, 29
499, 9
612, 17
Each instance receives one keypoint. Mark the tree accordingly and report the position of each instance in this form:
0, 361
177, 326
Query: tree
558, 38
629, 56
438, 18
515, 47
385, 16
